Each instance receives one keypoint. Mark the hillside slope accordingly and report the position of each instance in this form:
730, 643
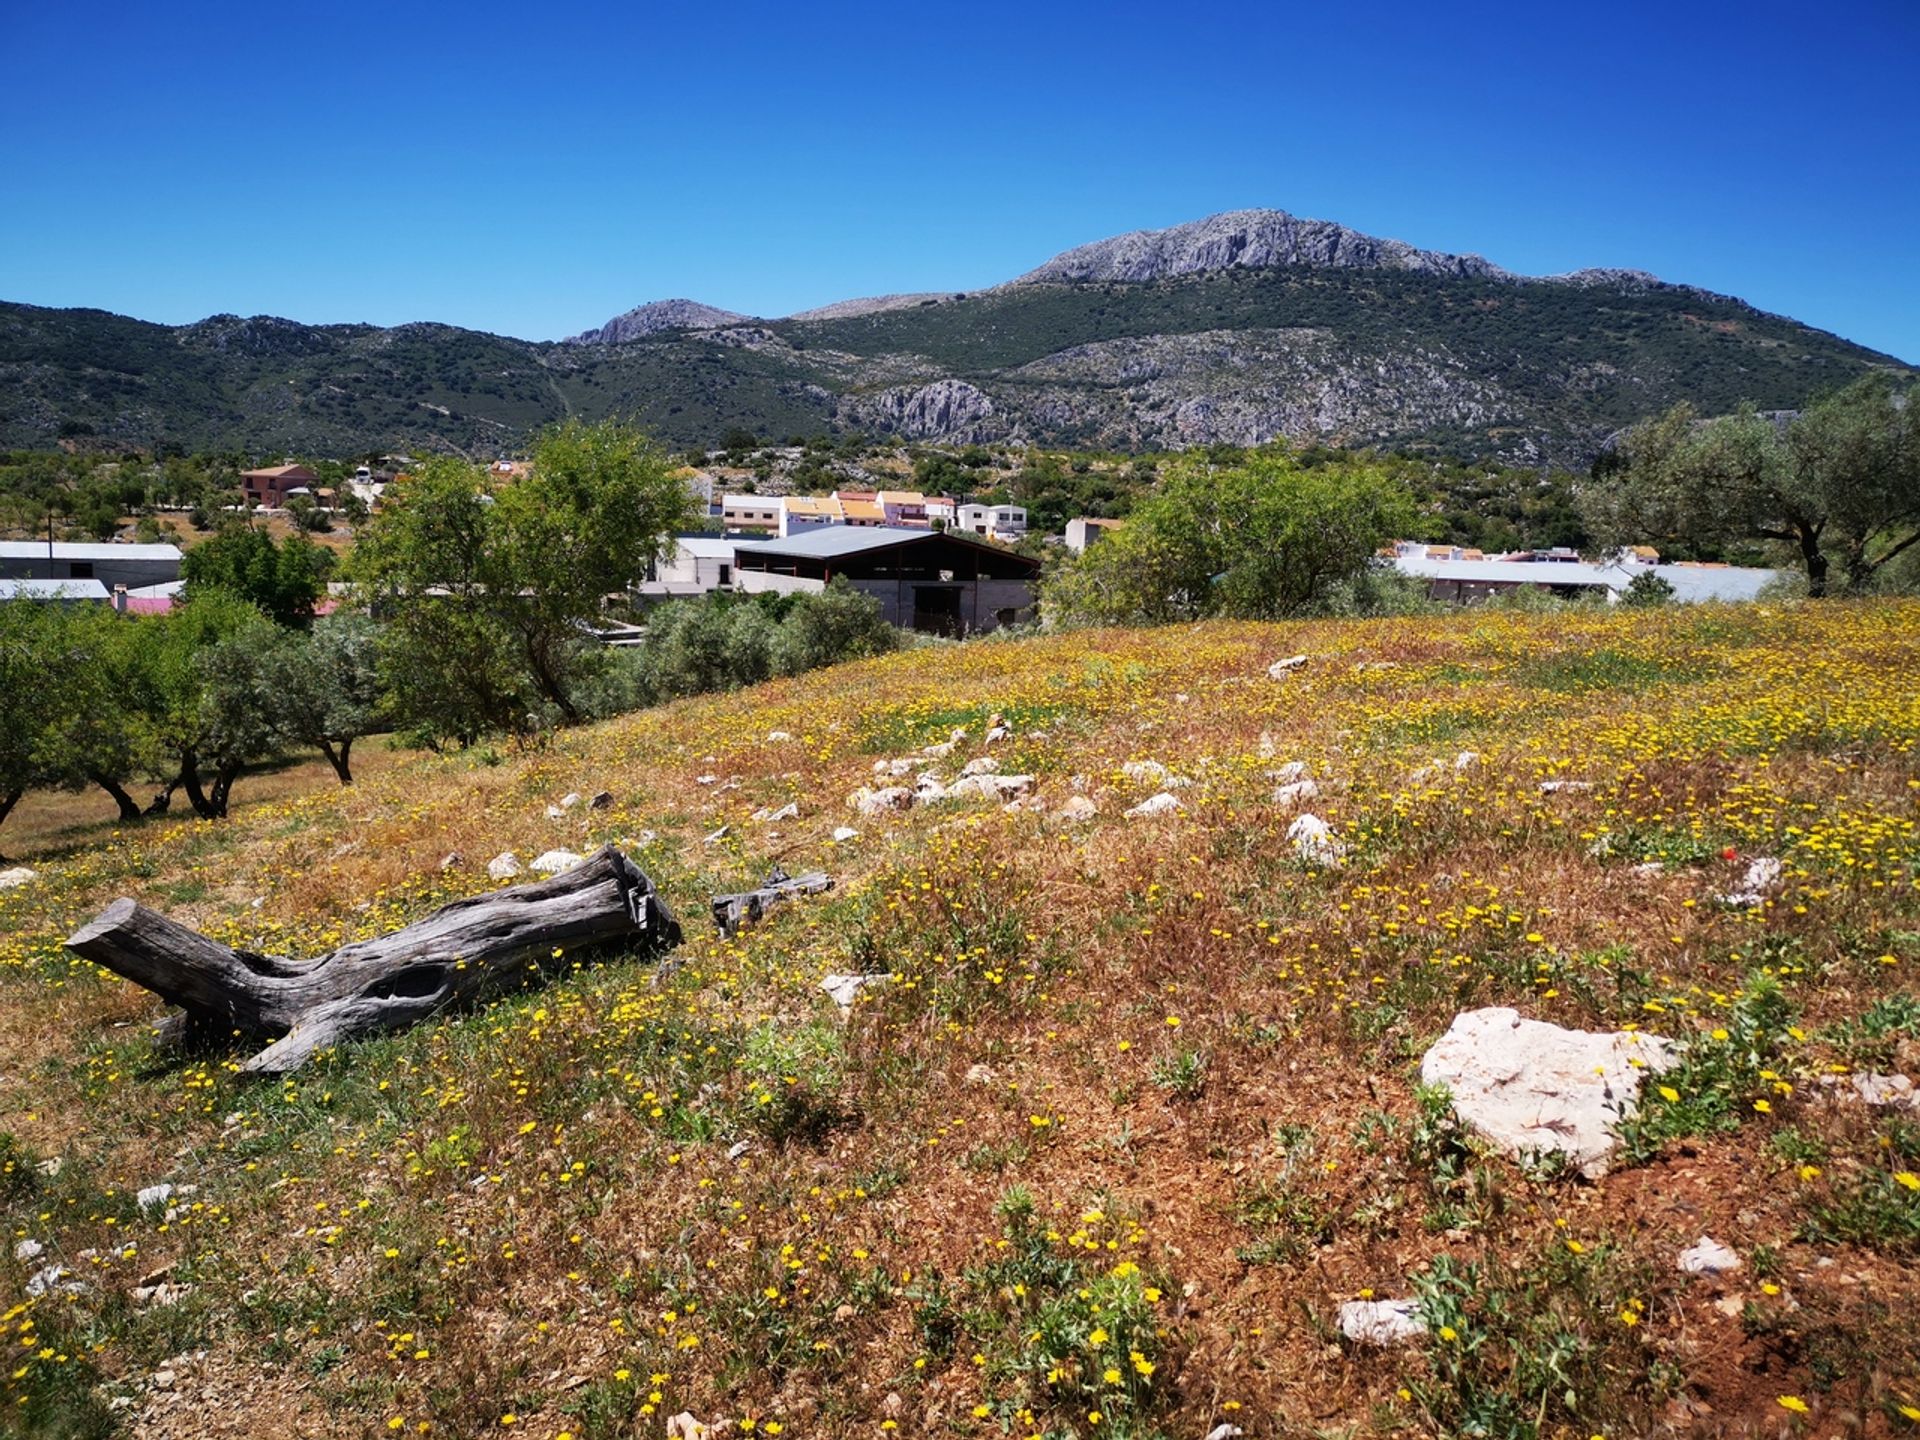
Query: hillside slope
1138, 1111
1240, 328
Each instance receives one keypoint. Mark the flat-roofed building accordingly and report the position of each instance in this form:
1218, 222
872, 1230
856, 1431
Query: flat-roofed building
109, 562
750, 512
934, 581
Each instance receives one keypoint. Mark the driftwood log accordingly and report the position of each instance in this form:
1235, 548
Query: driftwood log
457, 954
730, 912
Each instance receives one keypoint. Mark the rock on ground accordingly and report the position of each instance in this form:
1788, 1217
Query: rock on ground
1280, 669
503, 866
990, 787
1381, 1322
1533, 1088
878, 802
555, 862
1078, 808
1314, 842
1294, 793
1707, 1256
1161, 804
1762, 875
844, 990
17, 876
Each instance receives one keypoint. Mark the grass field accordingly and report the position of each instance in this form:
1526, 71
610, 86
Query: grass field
1138, 1113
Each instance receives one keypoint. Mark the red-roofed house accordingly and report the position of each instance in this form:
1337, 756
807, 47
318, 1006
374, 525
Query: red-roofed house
270, 487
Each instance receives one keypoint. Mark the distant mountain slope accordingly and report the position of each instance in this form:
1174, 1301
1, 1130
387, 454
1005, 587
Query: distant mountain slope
1240, 328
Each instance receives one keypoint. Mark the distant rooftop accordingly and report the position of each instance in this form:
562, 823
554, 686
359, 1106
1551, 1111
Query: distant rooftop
52, 590
86, 550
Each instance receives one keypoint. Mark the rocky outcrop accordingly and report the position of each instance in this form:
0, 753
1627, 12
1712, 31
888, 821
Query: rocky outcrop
950, 410
655, 316
1246, 239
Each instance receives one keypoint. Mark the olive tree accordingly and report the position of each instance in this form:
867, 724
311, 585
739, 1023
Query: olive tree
1260, 537
487, 593
1837, 481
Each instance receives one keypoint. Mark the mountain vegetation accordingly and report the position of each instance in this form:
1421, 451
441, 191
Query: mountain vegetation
1241, 329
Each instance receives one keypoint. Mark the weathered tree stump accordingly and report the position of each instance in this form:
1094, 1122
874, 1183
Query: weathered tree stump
454, 956
730, 912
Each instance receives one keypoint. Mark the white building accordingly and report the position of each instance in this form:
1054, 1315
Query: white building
996, 522
1084, 530
1452, 576
697, 565
110, 563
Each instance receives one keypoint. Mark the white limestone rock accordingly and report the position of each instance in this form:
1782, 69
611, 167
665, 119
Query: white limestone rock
555, 862
1759, 881
1531, 1088
1562, 787
570, 799
1160, 804
1280, 669
15, 877
1315, 843
1288, 773
503, 866
845, 990
845, 834
1879, 1092
1707, 1256
766, 815
1078, 808
878, 802
1381, 1322
1295, 793
28, 1250
985, 765
991, 787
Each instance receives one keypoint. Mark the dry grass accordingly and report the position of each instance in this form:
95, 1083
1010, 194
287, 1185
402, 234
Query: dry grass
1190, 1055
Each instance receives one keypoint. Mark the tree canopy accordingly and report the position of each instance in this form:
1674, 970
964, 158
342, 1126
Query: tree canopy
1262, 537
285, 582
489, 591
1839, 481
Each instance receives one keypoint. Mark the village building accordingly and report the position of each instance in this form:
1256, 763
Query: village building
1084, 530
938, 582
62, 592
108, 562
750, 512
808, 512
996, 522
1466, 577
270, 488
695, 565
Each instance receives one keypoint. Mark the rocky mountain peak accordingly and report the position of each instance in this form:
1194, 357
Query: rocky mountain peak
655, 316
1247, 239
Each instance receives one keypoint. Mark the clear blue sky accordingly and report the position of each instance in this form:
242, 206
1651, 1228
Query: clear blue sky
534, 169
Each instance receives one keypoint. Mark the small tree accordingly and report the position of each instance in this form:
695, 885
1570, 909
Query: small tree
1262, 537
328, 687
282, 581
488, 595
1647, 591
207, 695
838, 624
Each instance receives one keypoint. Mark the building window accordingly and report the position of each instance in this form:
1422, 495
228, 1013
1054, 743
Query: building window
79, 569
